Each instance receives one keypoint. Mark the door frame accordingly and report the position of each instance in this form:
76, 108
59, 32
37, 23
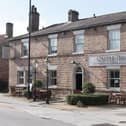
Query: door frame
74, 76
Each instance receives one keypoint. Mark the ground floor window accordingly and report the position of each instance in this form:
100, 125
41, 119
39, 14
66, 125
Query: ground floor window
22, 77
52, 77
114, 78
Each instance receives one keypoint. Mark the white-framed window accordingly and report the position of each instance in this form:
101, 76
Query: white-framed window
52, 44
114, 37
24, 47
52, 77
114, 78
22, 77
79, 41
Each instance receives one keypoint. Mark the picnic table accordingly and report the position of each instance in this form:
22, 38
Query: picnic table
117, 98
42, 94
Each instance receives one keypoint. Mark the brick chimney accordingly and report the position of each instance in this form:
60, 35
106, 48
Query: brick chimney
9, 30
35, 19
73, 15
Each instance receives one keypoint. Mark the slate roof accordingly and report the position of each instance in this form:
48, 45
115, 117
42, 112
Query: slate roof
85, 23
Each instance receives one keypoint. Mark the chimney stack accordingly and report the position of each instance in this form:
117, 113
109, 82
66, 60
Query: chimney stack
73, 15
9, 30
34, 19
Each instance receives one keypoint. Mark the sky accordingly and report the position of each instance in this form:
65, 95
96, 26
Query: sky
53, 11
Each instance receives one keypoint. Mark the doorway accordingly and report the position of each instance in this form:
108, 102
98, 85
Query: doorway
79, 78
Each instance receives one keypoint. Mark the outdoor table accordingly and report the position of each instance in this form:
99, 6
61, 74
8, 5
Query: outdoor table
121, 98
44, 94
118, 98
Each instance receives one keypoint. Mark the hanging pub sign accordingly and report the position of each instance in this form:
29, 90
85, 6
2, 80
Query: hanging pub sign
107, 59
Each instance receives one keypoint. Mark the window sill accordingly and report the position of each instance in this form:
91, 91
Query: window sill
20, 85
24, 57
53, 86
114, 50
51, 55
76, 53
114, 89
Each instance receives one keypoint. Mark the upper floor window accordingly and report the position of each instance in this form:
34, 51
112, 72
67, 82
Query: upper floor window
79, 41
52, 44
114, 37
24, 49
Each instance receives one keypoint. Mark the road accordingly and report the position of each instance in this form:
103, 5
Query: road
22, 112
10, 115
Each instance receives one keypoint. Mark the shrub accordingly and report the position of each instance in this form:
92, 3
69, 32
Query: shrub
88, 88
87, 99
38, 84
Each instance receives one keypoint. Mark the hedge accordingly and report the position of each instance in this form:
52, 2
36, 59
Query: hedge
87, 99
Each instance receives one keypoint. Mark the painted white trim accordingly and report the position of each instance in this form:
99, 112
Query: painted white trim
24, 40
75, 53
114, 89
113, 67
114, 27
24, 57
52, 67
53, 36
74, 76
111, 53
20, 85
114, 50
23, 68
78, 32
53, 86
53, 54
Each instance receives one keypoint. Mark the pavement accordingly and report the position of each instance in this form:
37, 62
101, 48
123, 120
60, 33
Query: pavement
108, 115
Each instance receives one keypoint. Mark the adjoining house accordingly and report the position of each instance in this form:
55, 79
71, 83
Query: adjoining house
79, 50
4, 67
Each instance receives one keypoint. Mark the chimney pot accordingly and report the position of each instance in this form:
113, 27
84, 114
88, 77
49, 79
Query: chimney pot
73, 15
35, 19
9, 29
35, 9
94, 15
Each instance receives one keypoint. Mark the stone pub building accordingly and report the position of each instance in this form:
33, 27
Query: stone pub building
79, 50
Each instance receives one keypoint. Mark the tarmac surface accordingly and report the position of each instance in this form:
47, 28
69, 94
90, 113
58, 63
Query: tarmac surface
108, 115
